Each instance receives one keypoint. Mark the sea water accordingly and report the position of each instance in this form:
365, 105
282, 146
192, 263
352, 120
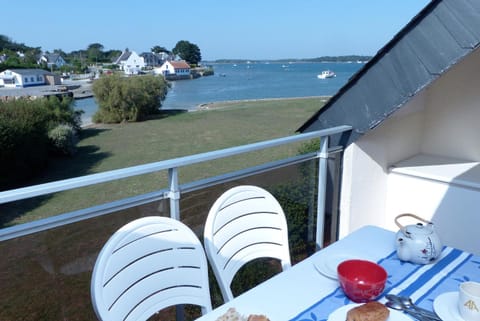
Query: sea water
257, 81
241, 81
89, 107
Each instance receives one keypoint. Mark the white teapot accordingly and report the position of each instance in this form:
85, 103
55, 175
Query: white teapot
417, 243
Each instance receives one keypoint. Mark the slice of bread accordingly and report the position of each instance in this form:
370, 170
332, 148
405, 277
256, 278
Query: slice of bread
370, 311
231, 315
256, 317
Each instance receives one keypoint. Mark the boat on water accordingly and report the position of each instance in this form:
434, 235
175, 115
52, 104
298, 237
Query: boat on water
326, 74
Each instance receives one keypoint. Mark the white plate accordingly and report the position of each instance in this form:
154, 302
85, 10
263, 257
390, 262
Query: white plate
445, 305
328, 265
340, 314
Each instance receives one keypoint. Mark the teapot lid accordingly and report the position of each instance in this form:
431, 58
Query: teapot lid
418, 229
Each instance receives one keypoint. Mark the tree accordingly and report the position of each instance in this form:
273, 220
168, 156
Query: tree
122, 99
110, 55
78, 60
60, 52
7, 43
188, 52
94, 52
4, 42
30, 57
159, 49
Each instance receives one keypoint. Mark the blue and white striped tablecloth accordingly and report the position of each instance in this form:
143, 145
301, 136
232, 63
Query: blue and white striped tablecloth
423, 283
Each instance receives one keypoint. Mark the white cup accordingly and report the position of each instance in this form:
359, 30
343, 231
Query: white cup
469, 301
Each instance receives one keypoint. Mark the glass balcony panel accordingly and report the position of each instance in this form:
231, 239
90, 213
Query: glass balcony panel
45, 206
45, 275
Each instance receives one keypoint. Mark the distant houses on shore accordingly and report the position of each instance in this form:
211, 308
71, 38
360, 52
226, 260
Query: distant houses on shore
173, 70
129, 62
13, 78
160, 63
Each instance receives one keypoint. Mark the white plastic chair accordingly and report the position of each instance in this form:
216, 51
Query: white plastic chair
244, 223
148, 265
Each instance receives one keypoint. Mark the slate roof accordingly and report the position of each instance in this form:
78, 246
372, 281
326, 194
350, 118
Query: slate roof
123, 57
30, 72
440, 36
52, 57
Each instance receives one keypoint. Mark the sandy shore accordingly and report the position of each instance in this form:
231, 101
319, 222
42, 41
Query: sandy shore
228, 103
83, 91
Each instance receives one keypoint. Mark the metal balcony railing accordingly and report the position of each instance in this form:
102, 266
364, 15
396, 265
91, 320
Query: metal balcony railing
55, 255
172, 166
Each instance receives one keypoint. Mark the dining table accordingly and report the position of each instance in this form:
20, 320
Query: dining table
310, 291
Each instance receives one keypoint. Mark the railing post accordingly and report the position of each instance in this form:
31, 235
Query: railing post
322, 189
174, 193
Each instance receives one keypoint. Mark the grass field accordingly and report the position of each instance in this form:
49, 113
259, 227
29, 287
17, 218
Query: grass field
108, 147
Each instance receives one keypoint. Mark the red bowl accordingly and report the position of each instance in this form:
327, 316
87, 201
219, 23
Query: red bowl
361, 280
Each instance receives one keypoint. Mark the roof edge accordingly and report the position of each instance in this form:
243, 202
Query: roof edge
377, 57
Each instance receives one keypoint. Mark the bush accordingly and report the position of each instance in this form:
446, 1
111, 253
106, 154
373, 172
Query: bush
123, 99
63, 140
61, 111
24, 142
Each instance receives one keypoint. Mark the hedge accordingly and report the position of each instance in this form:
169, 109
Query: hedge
24, 141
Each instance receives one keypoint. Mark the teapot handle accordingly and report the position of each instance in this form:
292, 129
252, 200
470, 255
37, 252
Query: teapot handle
411, 215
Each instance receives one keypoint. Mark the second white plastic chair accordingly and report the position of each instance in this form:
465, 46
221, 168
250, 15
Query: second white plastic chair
244, 223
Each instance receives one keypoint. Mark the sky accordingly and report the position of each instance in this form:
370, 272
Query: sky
222, 29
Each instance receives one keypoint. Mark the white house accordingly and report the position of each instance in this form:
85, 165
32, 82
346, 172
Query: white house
415, 112
12, 78
130, 62
174, 70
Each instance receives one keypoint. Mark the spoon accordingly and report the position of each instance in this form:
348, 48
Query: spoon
408, 303
396, 305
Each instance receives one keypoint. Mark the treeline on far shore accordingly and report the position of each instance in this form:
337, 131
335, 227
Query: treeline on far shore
348, 58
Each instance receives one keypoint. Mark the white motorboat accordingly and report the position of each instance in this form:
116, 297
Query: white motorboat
326, 74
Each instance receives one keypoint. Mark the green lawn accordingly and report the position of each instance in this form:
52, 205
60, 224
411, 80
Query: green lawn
108, 147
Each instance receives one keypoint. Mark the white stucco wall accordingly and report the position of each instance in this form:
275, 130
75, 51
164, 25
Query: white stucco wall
451, 202
364, 180
167, 68
134, 64
441, 120
453, 112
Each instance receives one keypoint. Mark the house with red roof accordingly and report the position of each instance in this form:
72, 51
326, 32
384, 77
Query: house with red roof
175, 70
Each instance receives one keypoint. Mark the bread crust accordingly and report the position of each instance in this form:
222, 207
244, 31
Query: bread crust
370, 311
233, 315
256, 317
